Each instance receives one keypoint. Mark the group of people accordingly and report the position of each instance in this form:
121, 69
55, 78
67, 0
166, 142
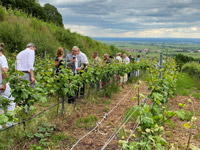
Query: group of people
25, 63
76, 61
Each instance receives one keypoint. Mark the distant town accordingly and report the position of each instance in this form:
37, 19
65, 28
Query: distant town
147, 50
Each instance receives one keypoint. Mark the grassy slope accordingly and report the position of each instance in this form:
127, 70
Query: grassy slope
17, 29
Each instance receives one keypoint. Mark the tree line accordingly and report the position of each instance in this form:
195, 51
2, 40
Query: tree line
48, 13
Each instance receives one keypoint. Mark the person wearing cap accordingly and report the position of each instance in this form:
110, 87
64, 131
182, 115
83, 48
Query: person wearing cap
5, 90
74, 64
97, 61
118, 58
25, 63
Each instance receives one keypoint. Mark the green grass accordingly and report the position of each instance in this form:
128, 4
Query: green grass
58, 137
197, 136
106, 109
185, 84
196, 95
107, 102
86, 122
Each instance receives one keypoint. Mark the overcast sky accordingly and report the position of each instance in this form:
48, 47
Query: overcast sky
131, 18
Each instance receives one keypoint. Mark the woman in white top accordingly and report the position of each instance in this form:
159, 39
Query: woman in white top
5, 88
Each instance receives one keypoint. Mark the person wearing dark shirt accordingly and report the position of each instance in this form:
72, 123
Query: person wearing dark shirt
59, 60
106, 59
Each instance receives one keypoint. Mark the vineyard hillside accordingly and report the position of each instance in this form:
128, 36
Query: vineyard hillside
17, 29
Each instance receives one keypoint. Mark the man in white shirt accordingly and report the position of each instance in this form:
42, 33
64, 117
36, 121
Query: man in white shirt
118, 58
74, 64
126, 60
84, 60
25, 63
5, 90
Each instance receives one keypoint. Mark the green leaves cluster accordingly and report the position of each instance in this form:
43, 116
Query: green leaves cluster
48, 13
151, 118
192, 68
64, 84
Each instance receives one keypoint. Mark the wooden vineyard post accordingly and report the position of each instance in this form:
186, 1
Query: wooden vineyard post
65, 65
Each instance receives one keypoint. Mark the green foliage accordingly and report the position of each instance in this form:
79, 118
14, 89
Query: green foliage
17, 29
182, 59
58, 137
106, 109
196, 95
52, 14
192, 69
184, 115
43, 133
107, 102
184, 84
87, 122
47, 13
2, 14
151, 118
197, 136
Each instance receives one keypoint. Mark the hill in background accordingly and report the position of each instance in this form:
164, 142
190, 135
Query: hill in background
18, 28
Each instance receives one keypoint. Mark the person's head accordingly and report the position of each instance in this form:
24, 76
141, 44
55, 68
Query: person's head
60, 51
124, 56
78, 52
119, 54
31, 46
1, 47
75, 50
95, 54
105, 56
138, 56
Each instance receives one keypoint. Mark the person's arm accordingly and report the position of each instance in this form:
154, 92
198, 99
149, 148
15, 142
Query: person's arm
32, 76
31, 59
86, 62
4, 75
57, 62
70, 62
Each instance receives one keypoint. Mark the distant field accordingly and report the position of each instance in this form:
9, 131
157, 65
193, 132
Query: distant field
156, 48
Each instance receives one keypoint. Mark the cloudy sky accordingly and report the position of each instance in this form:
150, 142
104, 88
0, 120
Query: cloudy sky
131, 18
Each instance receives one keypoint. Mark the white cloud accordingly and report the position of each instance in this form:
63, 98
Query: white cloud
191, 32
131, 18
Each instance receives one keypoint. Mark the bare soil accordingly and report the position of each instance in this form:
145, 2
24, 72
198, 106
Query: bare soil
97, 139
179, 135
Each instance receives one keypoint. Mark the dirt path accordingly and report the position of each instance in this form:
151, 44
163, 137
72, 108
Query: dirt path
96, 140
178, 135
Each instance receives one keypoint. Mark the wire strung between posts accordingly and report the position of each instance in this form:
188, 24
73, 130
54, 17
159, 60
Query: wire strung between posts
105, 116
115, 133
99, 123
122, 115
24, 121
134, 129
